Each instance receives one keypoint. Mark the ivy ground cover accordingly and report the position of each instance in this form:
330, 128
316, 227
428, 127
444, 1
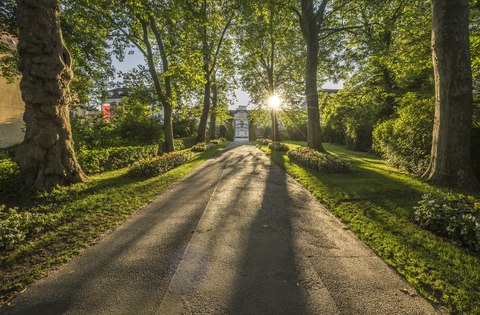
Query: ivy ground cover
377, 203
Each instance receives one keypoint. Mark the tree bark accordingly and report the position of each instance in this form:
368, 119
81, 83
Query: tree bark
213, 114
46, 157
167, 100
450, 163
309, 26
202, 127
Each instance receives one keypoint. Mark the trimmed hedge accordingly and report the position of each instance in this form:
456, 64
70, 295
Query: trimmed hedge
324, 163
97, 161
159, 165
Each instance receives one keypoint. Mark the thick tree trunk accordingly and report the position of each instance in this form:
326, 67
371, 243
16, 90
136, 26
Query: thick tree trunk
46, 157
310, 34
213, 115
450, 163
202, 127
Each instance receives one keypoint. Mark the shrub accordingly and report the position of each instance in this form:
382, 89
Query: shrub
159, 165
97, 161
406, 141
216, 141
278, 146
222, 139
202, 146
455, 217
264, 141
15, 226
9, 171
178, 144
324, 163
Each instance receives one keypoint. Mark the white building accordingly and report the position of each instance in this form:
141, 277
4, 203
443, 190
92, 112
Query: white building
240, 123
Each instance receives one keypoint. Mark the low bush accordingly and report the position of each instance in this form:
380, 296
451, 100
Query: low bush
15, 226
159, 165
202, 146
264, 141
9, 171
455, 217
324, 163
222, 139
216, 141
278, 146
97, 161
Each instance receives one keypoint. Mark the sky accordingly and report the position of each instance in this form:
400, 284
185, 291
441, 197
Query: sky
135, 59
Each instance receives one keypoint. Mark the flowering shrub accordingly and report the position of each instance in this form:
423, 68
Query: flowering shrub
160, 164
454, 217
216, 141
202, 146
324, 163
9, 171
97, 161
15, 226
278, 146
264, 141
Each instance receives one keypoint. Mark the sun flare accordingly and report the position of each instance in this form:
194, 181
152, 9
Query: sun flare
274, 101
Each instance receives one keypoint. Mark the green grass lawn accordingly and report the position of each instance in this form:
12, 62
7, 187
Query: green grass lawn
84, 212
376, 202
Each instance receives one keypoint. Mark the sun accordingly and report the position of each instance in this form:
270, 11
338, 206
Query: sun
274, 101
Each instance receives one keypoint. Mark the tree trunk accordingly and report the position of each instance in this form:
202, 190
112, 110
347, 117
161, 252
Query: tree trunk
46, 157
168, 128
213, 115
310, 34
450, 163
167, 100
202, 127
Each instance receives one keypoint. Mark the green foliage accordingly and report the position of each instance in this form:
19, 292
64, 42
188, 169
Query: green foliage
98, 161
134, 124
222, 132
324, 163
202, 146
278, 146
159, 165
217, 141
9, 172
15, 226
184, 127
454, 217
406, 141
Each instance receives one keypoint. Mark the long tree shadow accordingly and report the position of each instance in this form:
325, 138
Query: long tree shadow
268, 279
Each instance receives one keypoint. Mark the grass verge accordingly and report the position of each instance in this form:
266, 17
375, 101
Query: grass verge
83, 213
376, 202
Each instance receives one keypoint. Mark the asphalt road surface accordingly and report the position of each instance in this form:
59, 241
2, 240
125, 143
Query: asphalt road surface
234, 236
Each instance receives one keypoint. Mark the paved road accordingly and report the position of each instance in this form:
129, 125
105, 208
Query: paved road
262, 244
